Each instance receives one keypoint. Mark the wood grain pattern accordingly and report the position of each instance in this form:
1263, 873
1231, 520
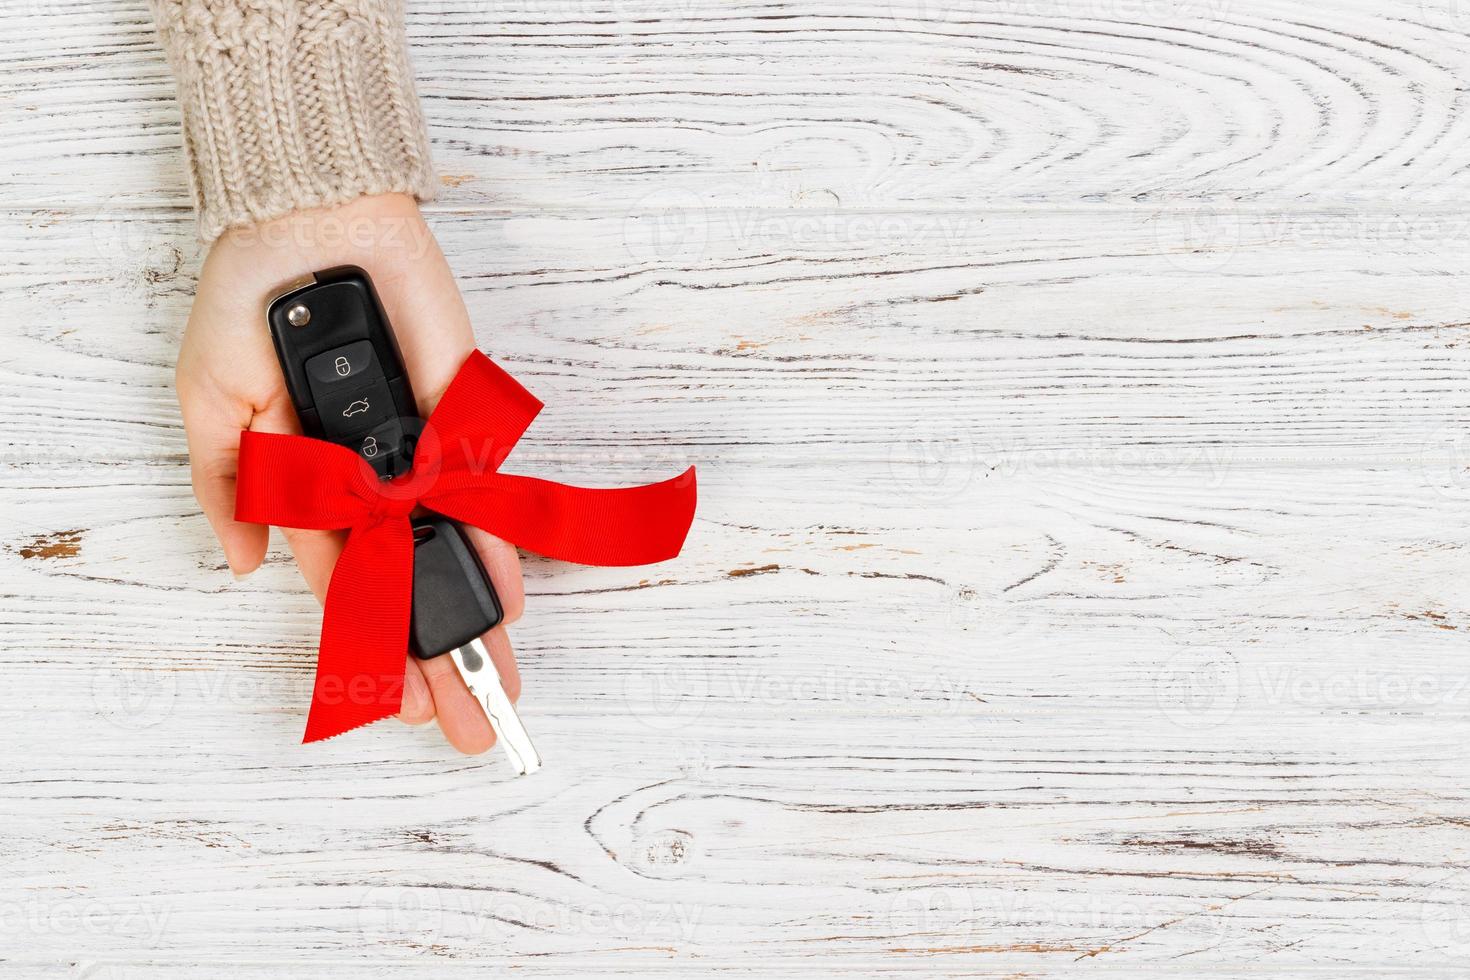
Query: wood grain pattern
1080, 402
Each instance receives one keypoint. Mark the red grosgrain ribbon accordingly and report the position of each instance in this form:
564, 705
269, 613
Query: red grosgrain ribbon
293, 481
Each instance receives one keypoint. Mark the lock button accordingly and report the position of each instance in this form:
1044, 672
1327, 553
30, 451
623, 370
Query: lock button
349, 365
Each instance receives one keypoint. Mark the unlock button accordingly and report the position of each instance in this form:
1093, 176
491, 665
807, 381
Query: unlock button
383, 449
342, 365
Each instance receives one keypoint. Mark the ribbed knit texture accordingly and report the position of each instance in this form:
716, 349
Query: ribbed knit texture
292, 104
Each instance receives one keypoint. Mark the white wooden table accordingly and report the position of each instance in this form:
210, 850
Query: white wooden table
1079, 395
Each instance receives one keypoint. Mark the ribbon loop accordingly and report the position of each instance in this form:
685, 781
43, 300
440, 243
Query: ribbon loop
293, 481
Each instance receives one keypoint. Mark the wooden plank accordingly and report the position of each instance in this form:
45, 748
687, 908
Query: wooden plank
1128, 338
1077, 750
1078, 401
872, 104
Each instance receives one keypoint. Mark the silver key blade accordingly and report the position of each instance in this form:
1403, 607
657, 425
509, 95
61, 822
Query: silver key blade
483, 680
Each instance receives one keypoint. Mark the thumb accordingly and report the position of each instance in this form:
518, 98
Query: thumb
213, 475
214, 449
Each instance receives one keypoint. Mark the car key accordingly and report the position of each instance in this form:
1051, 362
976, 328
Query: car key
343, 368
453, 607
348, 385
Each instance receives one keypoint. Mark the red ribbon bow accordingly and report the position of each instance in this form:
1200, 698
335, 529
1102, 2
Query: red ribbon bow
293, 481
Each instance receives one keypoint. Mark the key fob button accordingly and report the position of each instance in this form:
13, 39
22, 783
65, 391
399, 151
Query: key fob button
354, 410
345, 366
383, 448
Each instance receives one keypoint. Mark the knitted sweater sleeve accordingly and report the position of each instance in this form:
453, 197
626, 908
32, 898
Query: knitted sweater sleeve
291, 104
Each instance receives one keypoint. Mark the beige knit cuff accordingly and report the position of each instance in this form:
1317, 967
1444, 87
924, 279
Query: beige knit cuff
292, 104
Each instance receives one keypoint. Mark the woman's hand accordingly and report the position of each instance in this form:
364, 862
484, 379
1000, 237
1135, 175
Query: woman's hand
228, 380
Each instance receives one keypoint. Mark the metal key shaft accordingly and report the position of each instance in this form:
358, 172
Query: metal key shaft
483, 680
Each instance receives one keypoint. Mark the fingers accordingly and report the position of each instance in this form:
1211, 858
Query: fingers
316, 555
460, 716
497, 641
433, 327
213, 427
418, 703
214, 487
503, 564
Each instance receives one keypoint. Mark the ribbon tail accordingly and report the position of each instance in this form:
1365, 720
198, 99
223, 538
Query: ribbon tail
626, 526
359, 670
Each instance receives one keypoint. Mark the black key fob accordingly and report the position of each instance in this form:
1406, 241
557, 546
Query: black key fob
453, 601
343, 368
